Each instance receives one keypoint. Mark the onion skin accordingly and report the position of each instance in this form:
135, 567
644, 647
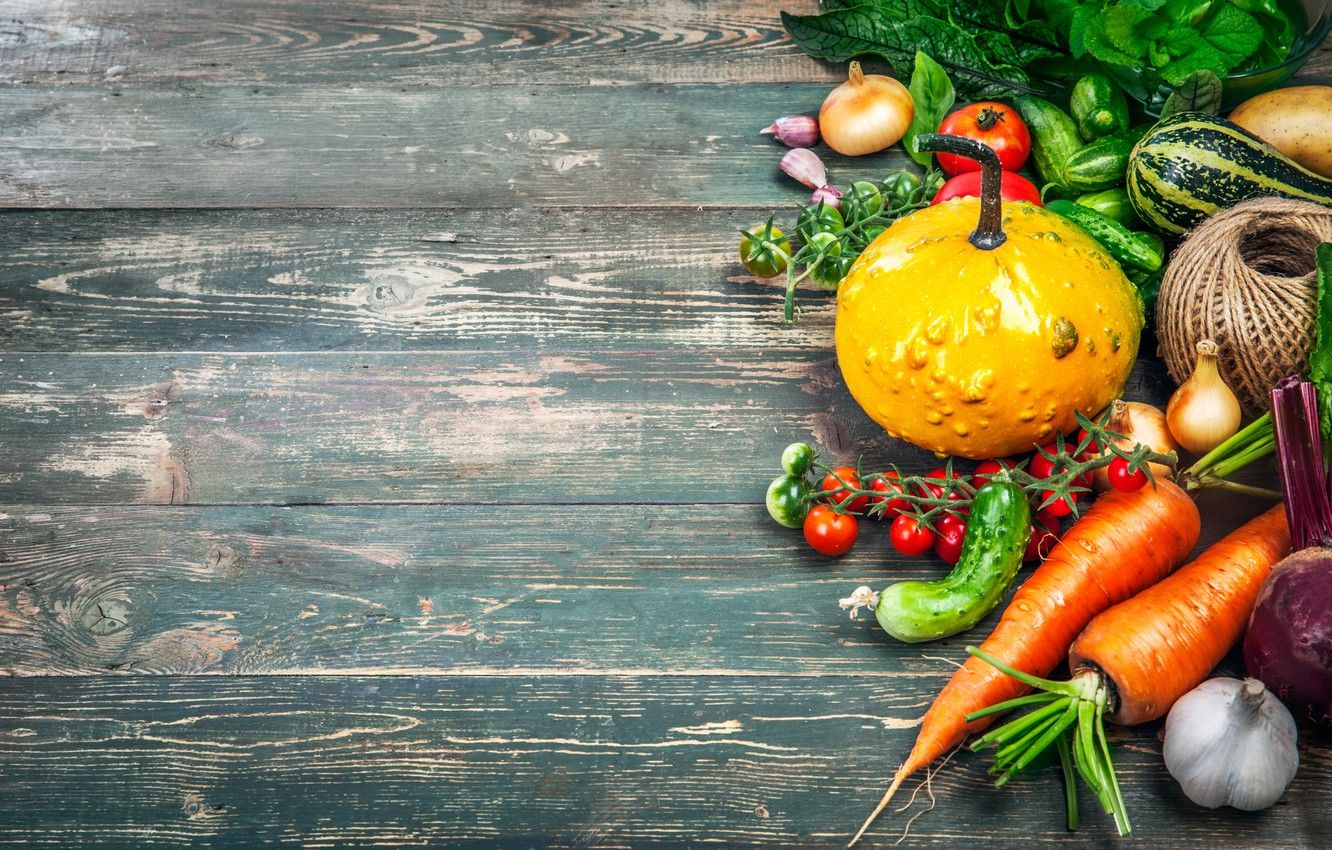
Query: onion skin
1289, 642
865, 114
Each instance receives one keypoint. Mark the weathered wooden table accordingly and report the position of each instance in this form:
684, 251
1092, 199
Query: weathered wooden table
384, 421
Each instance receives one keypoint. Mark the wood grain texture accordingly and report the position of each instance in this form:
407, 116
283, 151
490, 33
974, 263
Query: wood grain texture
598, 42
568, 761
703, 425
195, 145
227, 280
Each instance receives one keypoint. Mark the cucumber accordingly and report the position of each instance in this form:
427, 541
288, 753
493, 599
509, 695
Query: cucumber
997, 531
1118, 241
1192, 165
1101, 164
1054, 136
1099, 107
1114, 203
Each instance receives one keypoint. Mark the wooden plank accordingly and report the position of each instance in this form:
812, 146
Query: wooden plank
242, 280
435, 588
428, 589
599, 42
572, 761
392, 146
701, 425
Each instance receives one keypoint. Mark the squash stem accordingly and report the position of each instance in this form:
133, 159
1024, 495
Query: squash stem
989, 233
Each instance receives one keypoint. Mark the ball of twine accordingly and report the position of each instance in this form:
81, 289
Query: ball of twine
1245, 277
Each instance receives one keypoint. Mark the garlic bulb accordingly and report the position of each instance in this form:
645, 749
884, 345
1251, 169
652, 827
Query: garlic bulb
1203, 413
1231, 743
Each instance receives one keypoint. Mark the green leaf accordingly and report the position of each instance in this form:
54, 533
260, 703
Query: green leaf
1233, 33
1202, 58
979, 63
1198, 92
1097, 43
933, 95
1320, 359
1120, 26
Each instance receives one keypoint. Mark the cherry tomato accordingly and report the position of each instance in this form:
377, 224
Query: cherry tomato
887, 483
951, 533
986, 469
996, 125
1123, 480
909, 537
1043, 467
1012, 187
837, 492
935, 491
828, 532
765, 250
1044, 536
818, 218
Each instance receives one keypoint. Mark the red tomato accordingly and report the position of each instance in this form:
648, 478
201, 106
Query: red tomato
1012, 187
1044, 536
909, 537
935, 491
837, 492
1123, 480
886, 483
1042, 467
996, 125
951, 533
828, 532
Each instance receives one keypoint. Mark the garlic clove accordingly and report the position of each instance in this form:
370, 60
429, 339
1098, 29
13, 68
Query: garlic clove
829, 195
803, 165
794, 131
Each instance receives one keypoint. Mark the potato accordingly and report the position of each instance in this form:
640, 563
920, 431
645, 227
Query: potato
1296, 121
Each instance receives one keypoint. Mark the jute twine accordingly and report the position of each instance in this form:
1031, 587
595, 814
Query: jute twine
1246, 278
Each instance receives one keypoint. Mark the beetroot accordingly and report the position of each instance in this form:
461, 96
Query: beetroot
1289, 642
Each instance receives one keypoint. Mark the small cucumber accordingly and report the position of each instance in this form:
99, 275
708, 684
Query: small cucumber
997, 531
1114, 203
1118, 241
1101, 164
1054, 136
1099, 107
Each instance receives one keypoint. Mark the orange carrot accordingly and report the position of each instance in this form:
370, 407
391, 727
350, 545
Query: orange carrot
1160, 644
1125, 543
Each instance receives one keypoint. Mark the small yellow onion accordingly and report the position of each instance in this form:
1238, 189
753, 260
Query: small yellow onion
1140, 424
1204, 412
867, 113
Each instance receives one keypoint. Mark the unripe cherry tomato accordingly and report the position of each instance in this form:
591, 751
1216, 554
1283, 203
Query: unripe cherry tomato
909, 537
952, 531
1123, 480
996, 125
837, 492
1012, 187
828, 532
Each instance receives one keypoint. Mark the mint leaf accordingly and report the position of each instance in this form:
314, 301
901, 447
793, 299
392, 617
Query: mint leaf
1320, 359
933, 95
1121, 28
1097, 43
1232, 33
1203, 57
1198, 92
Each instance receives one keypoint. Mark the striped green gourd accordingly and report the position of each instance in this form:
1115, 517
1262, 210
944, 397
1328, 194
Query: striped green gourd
1191, 165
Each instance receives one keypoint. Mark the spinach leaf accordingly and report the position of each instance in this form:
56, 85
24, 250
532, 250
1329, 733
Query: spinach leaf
1320, 359
1197, 92
933, 96
980, 63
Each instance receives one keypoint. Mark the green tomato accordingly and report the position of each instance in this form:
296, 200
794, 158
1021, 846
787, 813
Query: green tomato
832, 266
902, 184
818, 218
787, 500
764, 250
872, 232
862, 201
796, 458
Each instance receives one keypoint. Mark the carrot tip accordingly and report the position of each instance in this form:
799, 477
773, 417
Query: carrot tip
898, 779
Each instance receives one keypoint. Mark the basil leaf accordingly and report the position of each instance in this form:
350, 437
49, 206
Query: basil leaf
1198, 92
1320, 359
933, 95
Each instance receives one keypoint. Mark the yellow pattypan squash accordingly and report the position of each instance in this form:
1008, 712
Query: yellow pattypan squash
983, 344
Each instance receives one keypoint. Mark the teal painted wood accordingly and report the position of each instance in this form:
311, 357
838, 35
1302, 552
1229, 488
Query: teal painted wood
563, 761
702, 425
600, 42
197, 145
432, 588
250, 280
